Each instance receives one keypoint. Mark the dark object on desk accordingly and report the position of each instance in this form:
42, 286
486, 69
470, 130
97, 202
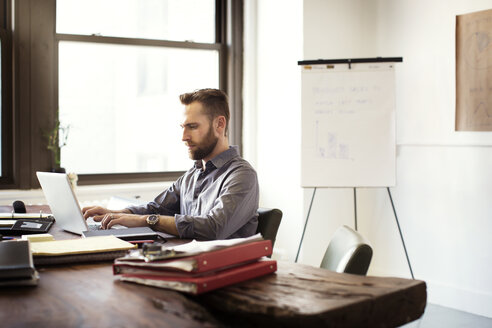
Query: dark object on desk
28, 226
128, 234
268, 223
348, 252
16, 264
19, 206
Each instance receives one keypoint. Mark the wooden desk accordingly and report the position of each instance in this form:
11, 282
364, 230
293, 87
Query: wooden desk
296, 295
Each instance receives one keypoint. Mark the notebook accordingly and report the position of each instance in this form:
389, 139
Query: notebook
80, 250
63, 203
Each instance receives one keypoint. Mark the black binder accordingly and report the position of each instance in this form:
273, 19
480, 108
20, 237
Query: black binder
28, 226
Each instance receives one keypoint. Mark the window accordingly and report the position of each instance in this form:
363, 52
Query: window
118, 90
110, 74
177, 20
128, 117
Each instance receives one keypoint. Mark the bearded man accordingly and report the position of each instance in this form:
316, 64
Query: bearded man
216, 199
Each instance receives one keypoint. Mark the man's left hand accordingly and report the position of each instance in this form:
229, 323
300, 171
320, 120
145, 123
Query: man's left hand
127, 220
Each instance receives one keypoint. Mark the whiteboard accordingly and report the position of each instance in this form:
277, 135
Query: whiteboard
348, 125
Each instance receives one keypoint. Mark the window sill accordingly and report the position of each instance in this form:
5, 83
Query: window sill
92, 194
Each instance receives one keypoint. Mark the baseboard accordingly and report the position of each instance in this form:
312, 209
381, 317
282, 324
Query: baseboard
471, 301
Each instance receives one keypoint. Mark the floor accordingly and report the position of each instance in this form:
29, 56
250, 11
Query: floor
436, 316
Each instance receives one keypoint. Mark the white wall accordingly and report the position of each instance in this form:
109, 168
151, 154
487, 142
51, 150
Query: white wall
444, 181
273, 45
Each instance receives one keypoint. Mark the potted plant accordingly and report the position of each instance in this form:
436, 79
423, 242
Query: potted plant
56, 140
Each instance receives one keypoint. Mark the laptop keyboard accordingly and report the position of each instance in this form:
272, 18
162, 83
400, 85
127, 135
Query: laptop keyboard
93, 227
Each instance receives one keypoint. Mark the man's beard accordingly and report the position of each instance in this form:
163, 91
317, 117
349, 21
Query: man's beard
205, 147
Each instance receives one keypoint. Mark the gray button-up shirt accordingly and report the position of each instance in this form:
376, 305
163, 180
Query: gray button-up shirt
219, 201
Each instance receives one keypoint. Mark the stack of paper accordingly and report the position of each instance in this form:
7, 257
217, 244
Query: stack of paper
88, 249
211, 265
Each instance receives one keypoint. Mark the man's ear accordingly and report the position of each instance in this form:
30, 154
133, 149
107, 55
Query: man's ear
220, 124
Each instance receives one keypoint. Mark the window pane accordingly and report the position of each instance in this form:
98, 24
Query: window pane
177, 20
121, 104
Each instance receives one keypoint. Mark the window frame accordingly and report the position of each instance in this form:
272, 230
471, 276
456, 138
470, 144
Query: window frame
35, 83
7, 174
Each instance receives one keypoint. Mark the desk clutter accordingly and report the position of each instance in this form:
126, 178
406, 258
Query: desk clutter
197, 267
15, 224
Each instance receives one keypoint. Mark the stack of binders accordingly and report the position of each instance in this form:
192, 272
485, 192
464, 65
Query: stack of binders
201, 272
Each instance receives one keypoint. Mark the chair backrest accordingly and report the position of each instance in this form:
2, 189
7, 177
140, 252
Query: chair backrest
348, 252
268, 223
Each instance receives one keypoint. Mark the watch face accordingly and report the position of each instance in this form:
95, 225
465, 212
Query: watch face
152, 220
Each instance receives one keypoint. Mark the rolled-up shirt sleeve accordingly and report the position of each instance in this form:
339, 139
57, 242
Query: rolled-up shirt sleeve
232, 213
166, 203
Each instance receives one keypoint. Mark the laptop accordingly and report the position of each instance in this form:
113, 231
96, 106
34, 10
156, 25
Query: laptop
66, 210
63, 203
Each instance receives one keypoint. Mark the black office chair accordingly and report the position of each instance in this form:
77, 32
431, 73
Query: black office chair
268, 223
348, 252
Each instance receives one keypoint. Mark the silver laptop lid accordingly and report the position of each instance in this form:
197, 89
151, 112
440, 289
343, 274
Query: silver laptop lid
62, 201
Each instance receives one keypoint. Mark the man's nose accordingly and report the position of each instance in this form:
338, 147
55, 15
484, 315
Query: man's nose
186, 135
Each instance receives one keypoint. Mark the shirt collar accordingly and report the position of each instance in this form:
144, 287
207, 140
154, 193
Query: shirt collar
221, 159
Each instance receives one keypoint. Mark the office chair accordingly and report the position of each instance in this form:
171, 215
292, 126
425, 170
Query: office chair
348, 252
268, 222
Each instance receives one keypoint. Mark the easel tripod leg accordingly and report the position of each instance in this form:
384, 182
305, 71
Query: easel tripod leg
305, 224
401, 235
355, 209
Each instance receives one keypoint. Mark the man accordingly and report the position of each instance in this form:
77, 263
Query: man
217, 198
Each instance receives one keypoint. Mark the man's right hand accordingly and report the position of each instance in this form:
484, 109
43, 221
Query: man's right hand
98, 212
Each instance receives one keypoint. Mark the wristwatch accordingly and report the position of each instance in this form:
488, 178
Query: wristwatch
152, 220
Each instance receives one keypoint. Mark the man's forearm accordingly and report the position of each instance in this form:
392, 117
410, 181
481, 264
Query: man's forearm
167, 224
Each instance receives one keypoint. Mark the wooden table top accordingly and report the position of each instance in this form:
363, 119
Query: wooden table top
88, 295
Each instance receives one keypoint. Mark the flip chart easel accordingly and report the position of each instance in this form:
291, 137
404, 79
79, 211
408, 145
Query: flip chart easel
348, 127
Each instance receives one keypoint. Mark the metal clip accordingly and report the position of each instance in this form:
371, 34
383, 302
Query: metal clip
155, 252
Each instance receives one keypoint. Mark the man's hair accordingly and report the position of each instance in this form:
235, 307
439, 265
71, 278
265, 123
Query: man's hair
214, 101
